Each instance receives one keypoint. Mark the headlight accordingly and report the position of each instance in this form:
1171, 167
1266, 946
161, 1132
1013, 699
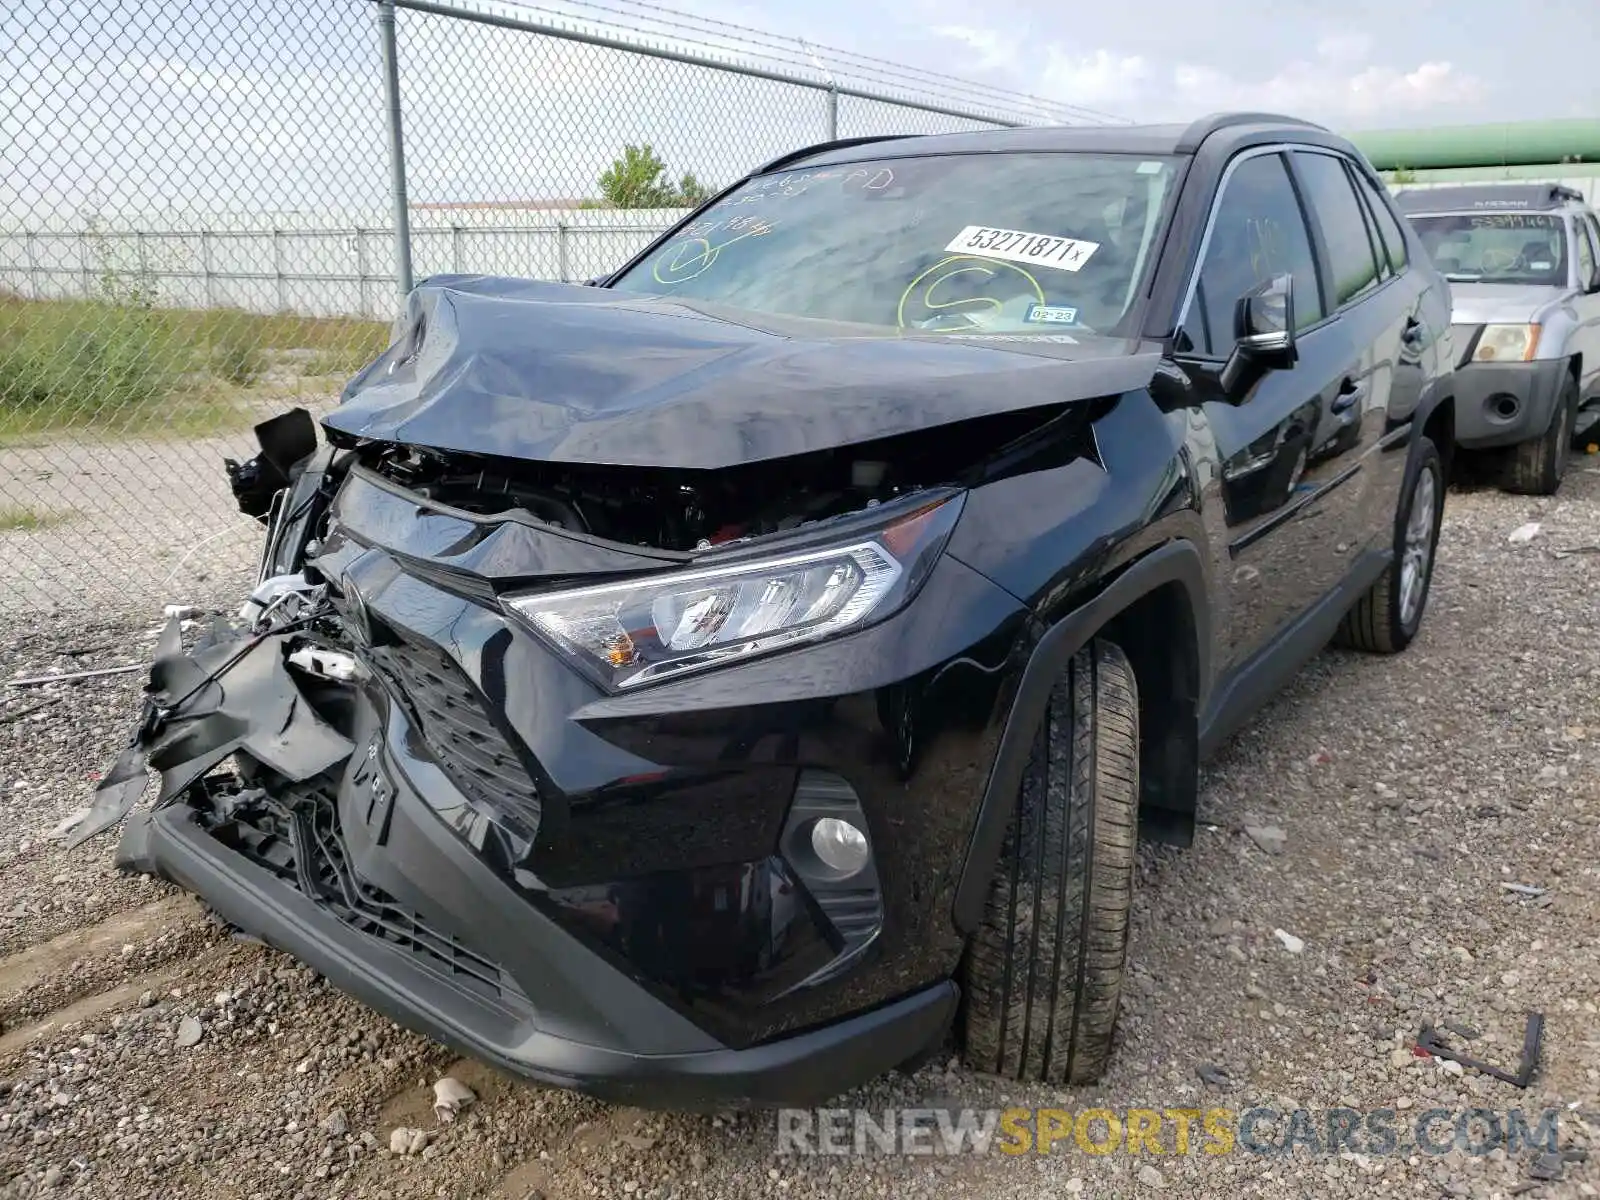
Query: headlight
1507, 343
627, 634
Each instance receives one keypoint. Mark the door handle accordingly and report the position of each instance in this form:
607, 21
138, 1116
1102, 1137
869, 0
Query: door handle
1350, 394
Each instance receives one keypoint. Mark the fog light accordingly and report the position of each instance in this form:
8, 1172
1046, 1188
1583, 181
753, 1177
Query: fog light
840, 845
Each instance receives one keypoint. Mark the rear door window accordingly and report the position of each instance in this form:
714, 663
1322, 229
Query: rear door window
1394, 242
1585, 252
1333, 205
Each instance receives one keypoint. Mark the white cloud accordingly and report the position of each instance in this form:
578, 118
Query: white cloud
1339, 85
994, 49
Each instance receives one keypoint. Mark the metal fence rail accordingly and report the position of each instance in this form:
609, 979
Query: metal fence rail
208, 212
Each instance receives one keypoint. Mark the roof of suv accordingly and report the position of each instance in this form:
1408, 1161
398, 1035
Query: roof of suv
1114, 139
1488, 197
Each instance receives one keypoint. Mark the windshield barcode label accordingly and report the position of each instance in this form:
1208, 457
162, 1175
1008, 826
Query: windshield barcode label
1020, 246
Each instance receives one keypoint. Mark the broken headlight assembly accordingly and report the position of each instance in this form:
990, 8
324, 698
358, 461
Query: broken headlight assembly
628, 634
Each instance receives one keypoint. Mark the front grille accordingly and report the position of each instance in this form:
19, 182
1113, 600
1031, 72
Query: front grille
297, 839
459, 734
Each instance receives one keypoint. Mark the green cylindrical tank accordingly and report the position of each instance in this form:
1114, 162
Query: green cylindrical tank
1513, 144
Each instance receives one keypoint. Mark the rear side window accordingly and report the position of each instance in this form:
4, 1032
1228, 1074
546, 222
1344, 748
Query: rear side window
1585, 253
1394, 242
1258, 232
1334, 206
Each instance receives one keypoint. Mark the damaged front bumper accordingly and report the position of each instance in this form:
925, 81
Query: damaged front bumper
387, 776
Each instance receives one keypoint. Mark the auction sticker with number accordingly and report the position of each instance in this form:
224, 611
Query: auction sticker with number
1017, 245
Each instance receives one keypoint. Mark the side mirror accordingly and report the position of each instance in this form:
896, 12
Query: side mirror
1263, 331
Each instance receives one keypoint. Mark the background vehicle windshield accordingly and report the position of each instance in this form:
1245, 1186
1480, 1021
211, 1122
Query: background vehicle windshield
1011, 243
1496, 247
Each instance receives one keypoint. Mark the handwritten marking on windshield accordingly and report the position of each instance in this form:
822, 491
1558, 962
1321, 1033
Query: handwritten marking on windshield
681, 261
947, 269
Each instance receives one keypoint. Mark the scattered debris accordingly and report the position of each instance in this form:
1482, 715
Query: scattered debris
450, 1096
41, 680
1151, 1177
1525, 533
336, 1124
189, 1031
1547, 1168
183, 612
1269, 839
1291, 943
1532, 1037
68, 823
1569, 551
1524, 889
30, 710
1213, 1076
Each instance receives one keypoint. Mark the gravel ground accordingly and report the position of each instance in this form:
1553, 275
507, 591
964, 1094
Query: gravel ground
143, 1052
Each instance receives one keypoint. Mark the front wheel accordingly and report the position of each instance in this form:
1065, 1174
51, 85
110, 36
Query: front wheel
1536, 467
1386, 619
1044, 973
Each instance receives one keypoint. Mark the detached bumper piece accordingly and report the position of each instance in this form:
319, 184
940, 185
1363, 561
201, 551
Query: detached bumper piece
352, 834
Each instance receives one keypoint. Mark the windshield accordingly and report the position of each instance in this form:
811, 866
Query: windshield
1496, 247
1046, 244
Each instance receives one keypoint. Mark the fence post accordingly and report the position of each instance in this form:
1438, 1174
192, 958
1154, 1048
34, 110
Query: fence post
397, 147
83, 261
362, 273
562, 272
207, 283
455, 249
833, 112
277, 269
33, 266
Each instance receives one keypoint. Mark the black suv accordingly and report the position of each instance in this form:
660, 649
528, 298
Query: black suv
715, 683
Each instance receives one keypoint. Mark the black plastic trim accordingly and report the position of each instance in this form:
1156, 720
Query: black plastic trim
1175, 562
805, 1068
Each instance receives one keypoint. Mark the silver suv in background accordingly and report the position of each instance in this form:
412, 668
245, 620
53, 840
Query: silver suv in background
1523, 261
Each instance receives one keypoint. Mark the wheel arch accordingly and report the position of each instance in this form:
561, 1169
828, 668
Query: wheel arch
1156, 610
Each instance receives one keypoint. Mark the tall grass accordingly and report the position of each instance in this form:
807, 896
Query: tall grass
109, 368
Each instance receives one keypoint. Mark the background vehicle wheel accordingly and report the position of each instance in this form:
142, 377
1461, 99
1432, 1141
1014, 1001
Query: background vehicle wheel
1386, 619
1044, 971
1535, 468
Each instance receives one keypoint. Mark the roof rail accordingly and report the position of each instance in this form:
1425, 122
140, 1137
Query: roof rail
1199, 130
784, 160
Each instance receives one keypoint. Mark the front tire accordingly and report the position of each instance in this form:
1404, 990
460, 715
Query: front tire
1536, 467
1044, 972
1386, 619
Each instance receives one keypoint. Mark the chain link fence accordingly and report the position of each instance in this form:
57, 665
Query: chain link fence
210, 211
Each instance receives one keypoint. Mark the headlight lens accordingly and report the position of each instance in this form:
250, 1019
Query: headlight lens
640, 631
1507, 343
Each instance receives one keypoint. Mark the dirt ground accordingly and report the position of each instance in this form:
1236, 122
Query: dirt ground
144, 1052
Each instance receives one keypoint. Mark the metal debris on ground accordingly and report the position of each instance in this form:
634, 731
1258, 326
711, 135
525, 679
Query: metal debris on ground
67, 676
1532, 1037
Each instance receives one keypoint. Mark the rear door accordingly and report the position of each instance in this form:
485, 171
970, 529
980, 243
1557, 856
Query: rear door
1586, 233
1275, 455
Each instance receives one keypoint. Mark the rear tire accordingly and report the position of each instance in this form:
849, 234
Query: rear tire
1044, 972
1536, 467
1386, 619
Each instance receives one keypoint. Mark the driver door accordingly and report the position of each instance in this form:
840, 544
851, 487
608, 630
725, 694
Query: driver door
1274, 452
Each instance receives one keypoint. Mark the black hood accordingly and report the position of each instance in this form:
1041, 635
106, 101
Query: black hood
565, 373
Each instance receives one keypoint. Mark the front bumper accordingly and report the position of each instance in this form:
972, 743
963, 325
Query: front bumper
594, 891
415, 983
1503, 404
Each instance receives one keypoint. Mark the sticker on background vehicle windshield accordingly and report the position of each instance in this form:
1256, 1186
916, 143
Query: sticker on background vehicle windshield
1051, 314
1017, 245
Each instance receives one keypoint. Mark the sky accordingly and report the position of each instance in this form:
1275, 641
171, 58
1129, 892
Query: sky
1353, 64
134, 111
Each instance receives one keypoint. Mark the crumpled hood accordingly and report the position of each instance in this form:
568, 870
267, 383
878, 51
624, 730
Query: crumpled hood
565, 373
1500, 303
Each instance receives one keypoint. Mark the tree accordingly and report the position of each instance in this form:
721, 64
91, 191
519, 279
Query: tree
639, 180
636, 180
691, 192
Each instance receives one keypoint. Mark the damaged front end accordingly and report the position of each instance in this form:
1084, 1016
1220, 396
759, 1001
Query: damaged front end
532, 754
